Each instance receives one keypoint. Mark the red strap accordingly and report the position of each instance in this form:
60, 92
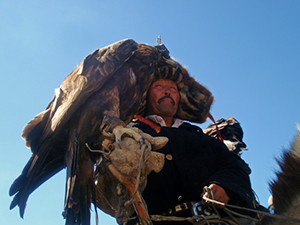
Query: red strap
217, 128
148, 122
158, 128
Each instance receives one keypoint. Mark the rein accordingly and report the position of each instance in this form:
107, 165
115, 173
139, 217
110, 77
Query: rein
281, 217
202, 220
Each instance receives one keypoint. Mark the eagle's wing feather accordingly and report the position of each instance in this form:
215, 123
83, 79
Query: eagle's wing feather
110, 81
86, 79
46, 134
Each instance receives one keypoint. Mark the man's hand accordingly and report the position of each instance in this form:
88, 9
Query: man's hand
220, 195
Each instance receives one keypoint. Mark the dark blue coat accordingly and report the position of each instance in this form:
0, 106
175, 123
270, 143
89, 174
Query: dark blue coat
193, 160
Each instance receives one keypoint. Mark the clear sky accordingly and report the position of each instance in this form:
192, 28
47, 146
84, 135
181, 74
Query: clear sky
246, 52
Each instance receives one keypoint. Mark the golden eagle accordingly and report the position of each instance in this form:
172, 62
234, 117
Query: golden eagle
94, 103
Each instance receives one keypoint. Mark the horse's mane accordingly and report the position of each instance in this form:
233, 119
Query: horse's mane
285, 188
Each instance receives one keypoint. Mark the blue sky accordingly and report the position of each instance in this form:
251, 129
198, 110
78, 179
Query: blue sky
246, 52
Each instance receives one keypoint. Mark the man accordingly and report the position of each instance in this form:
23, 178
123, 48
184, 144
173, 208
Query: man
193, 160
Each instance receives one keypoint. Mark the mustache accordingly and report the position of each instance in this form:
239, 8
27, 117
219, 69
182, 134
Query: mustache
162, 98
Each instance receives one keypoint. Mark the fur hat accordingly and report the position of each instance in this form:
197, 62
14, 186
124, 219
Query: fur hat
195, 99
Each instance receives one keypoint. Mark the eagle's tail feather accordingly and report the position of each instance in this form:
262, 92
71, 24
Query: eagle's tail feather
79, 187
38, 169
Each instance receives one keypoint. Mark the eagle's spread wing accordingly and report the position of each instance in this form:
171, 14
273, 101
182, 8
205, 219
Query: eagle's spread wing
103, 93
85, 81
111, 82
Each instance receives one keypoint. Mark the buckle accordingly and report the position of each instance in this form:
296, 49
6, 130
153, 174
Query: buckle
202, 210
179, 208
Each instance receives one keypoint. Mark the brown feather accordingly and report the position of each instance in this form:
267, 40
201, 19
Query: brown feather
110, 81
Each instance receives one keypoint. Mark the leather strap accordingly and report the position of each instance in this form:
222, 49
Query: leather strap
149, 123
179, 208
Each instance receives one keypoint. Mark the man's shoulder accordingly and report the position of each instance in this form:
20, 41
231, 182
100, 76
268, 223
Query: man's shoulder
191, 127
195, 129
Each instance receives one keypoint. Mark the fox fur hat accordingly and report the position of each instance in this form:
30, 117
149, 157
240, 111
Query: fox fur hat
195, 99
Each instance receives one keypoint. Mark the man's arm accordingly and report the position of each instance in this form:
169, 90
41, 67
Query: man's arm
219, 193
230, 182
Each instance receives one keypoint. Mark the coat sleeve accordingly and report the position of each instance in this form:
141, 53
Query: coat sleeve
230, 175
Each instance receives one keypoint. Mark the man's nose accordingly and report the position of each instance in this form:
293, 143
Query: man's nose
167, 91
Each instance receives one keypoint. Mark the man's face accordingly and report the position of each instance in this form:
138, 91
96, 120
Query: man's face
163, 98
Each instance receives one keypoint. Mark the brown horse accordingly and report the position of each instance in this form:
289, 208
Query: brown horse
285, 188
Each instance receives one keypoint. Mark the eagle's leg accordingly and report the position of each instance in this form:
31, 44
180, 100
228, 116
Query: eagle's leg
138, 203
